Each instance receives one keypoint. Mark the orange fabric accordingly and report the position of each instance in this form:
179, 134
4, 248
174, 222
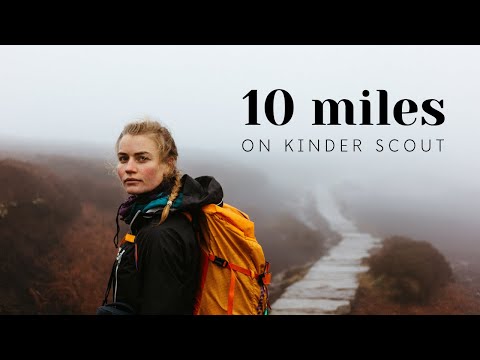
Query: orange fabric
231, 293
129, 238
240, 220
229, 247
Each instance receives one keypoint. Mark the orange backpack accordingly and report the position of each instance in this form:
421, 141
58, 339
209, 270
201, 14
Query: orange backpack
234, 273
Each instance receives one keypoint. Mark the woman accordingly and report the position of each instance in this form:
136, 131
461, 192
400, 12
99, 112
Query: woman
158, 272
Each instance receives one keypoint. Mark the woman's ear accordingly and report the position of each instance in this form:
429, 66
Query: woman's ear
171, 163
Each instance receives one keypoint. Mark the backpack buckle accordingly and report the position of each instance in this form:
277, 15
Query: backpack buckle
220, 262
265, 278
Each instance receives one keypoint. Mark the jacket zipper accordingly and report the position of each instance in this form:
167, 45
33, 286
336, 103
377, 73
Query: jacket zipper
119, 258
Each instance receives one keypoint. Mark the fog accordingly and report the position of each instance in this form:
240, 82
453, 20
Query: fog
81, 96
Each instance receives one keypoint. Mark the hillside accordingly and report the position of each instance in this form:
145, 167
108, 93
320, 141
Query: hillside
35, 210
445, 219
409, 277
57, 220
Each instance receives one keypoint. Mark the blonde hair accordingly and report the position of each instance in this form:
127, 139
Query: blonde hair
166, 149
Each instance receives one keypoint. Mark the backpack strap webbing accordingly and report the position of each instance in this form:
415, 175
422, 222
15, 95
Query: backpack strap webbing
231, 292
265, 277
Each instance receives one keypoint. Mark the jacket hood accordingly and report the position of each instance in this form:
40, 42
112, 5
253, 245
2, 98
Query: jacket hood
197, 192
200, 191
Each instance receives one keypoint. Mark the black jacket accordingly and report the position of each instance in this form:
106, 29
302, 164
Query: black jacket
163, 278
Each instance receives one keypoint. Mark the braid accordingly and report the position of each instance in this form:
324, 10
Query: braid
172, 197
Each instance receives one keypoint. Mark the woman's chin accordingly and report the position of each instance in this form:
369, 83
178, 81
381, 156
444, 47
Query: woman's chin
133, 190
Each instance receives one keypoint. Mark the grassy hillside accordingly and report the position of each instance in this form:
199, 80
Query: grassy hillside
57, 221
409, 277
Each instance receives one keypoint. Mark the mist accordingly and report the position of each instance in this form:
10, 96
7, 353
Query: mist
76, 99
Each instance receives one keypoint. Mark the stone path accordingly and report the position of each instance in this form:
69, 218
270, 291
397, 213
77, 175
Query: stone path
331, 283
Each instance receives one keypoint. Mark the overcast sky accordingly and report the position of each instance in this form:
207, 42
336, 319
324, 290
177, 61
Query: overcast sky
87, 93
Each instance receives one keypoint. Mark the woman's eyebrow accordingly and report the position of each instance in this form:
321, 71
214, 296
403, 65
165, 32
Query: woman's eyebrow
136, 154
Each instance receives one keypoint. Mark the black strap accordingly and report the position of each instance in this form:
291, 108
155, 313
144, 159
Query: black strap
115, 238
109, 285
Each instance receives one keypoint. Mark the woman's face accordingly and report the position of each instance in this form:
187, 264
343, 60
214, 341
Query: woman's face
139, 168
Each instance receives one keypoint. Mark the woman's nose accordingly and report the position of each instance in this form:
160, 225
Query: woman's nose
130, 166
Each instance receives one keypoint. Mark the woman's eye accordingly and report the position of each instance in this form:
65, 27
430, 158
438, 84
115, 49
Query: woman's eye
142, 158
122, 158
